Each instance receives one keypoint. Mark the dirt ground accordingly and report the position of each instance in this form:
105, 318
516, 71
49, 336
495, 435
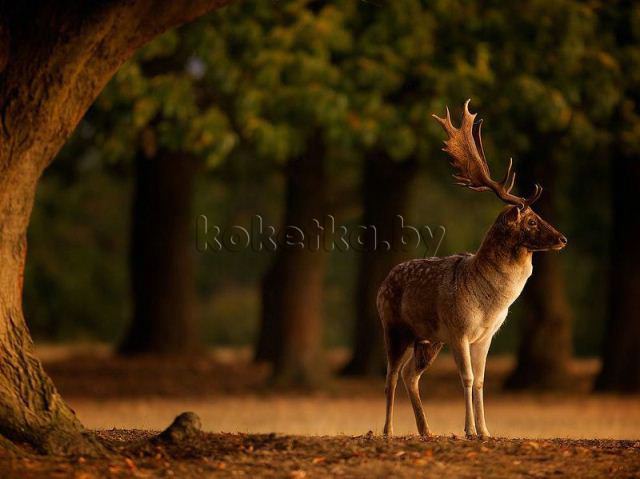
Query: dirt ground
226, 455
252, 429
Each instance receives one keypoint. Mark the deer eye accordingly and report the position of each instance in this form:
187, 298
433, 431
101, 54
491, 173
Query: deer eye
532, 222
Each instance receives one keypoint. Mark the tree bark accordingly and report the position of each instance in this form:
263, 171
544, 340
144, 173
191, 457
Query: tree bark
293, 288
55, 57
31, 410
160, 258
385, 194
546, 334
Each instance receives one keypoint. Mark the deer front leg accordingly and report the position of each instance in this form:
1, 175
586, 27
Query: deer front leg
462, 355
479, 353
424, 353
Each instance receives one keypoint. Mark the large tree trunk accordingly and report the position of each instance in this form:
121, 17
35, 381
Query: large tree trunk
293, 288
546, 333
385, 193
160, 257
31, 410
55, 57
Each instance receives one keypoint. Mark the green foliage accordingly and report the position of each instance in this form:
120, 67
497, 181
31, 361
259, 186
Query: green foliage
254, 76
246, 87
76, 284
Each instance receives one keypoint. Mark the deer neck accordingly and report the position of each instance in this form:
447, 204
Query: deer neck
501, 261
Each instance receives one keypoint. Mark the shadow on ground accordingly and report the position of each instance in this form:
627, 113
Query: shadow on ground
93, 372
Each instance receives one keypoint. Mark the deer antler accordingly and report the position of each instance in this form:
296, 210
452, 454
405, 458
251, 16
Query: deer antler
464, 146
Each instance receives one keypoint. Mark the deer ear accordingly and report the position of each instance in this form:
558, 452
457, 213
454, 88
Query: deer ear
512, 215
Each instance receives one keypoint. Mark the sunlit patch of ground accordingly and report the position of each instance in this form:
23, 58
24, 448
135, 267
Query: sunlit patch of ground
231, 395
599, 417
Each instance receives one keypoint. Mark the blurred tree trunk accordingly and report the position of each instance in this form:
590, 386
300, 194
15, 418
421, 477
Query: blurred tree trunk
292, 290
55, 57
546, 334
385, 194
161, 262
621, 349
269, 335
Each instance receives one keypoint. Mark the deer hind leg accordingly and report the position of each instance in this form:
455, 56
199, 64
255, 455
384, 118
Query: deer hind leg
397, 341
424, 353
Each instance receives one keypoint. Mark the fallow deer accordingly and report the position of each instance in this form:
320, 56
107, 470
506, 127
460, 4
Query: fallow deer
461, 300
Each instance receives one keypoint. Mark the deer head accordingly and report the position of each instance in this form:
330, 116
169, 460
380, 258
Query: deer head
519, 223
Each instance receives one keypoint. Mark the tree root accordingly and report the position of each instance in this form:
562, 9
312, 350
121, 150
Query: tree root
56, 443
81, 443
185, 426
